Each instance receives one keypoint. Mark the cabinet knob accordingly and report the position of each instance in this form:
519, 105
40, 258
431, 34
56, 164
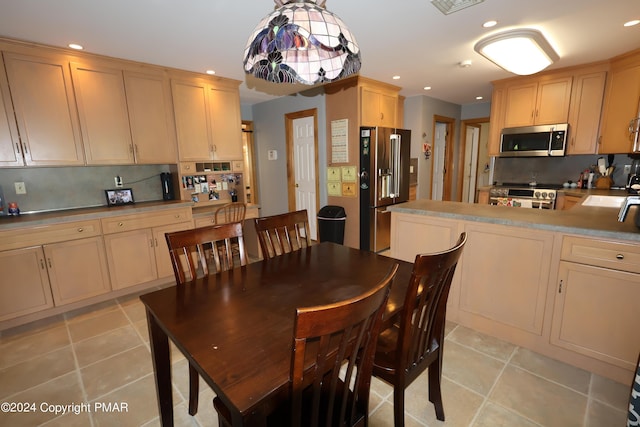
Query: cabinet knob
620, 256
120, 224
80, 229
177, 216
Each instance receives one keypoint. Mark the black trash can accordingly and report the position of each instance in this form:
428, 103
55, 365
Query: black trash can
331, 221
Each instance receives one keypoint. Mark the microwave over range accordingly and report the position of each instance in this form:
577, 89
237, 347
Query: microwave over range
534, 141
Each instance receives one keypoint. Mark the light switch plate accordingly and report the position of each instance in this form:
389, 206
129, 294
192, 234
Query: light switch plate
627, 169
20, 188
272, 155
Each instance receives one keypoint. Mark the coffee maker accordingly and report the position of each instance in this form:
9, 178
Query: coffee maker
633, 184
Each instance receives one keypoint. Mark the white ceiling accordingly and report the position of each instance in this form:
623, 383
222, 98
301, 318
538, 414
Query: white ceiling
410, 38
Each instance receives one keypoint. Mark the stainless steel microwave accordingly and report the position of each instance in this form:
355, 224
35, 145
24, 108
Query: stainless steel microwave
534, 141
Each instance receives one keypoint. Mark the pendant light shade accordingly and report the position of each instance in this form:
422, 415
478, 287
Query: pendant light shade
521, 51
301, 42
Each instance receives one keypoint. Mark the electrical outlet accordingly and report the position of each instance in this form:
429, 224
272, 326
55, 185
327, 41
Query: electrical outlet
118, 181
627, 169
20, 188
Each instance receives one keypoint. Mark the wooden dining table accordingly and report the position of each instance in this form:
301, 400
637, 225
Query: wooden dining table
236, 327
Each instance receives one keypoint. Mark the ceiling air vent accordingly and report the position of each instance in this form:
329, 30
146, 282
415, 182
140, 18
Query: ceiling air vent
449, 6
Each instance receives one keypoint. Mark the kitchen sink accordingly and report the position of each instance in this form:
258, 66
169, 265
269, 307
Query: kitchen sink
604, 201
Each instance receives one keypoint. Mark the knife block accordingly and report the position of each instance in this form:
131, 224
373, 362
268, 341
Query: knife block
604, 182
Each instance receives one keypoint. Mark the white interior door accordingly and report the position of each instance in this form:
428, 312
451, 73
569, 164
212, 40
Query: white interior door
439, 146
305, 170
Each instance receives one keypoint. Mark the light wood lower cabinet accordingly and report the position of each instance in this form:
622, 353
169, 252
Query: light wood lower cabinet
596, 313
24, 288
77, 270
504, 276
136, 248
40, 277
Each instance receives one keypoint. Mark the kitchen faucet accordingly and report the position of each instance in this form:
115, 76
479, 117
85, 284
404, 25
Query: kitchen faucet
624, 209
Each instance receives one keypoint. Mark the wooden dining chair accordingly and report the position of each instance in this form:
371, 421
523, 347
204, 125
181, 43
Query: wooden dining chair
633, 414
230, 212
187, 250
415, 342
331, 360
284, 233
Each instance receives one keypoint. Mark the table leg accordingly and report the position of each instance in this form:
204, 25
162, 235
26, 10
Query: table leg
161, 370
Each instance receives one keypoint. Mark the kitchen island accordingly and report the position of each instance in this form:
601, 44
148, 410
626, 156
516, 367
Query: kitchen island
562, 283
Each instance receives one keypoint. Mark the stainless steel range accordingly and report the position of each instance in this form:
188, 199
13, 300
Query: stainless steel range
540, 196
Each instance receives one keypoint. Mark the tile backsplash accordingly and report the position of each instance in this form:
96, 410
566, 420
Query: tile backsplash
59, 188
554, 170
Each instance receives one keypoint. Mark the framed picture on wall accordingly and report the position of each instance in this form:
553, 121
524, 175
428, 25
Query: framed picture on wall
119, 196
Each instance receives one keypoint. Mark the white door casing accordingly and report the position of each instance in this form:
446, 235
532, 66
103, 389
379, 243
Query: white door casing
305, 170
439, 146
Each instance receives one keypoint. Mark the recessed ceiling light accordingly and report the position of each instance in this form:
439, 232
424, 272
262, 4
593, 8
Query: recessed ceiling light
210, 72
632, 23
490, 24
396, 77
427, 88
76, 46
479, 98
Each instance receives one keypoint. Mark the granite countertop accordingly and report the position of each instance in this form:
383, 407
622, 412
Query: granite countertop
83, 214
585, 220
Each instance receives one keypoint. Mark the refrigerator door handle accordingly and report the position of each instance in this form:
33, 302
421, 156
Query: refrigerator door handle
395, 165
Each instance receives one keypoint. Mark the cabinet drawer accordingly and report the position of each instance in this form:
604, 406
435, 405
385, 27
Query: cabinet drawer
41, 235
602, 253
146, 220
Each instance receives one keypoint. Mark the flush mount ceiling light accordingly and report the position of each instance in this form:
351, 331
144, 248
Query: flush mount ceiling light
301, 42
450, 6
521, 51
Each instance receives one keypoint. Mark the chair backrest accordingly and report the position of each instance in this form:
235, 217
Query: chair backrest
423, 317
324, 338
231, 212
189, 248
284, 233
633, 416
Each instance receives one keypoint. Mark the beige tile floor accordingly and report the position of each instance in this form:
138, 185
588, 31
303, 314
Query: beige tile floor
100, 357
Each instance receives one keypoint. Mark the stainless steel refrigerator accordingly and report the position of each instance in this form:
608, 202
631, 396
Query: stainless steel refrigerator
384, 181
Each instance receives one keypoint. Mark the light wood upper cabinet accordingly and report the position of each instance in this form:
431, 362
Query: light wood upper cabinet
378, 108
191, 114
226, 124
545, 101
102, 108
621, 105
151, 117
208, 121
45, 109
585, 112
10, 148
496, 123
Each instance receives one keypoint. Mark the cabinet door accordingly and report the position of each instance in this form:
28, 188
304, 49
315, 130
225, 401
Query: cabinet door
192, 123
596, 313
151, 117
102, 108
515, 271
388, 110
621, 105
131, 258
10, 148
497, 120
520, 104
45, 109
24, 287
552, 101
77, 269
163, 261
584, 113
226, 124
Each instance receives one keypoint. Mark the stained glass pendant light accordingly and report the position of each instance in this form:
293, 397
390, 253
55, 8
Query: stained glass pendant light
301, 42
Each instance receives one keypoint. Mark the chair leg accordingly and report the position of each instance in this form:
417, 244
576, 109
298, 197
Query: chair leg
435, 392
398, 406
193, 390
